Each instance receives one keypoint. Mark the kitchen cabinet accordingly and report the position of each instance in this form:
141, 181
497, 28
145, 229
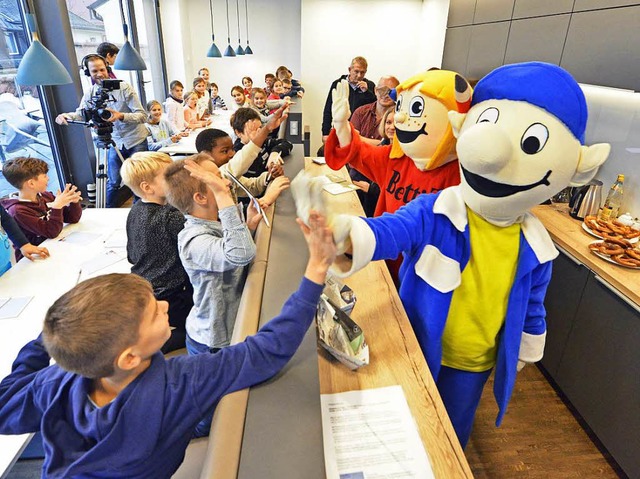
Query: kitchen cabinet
527, 44
537, 8
568, 281
486, 49
599, 371
493, 11
593, 338
581, 5
456, 49
461, 12
602, 47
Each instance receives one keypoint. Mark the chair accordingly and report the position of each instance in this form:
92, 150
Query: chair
17, 131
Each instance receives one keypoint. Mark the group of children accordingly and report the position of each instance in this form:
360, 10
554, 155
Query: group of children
189, 242
190, 110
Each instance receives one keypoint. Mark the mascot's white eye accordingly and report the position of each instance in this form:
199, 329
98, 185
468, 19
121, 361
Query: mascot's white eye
416, 107
490, 115
399, 103
534, 139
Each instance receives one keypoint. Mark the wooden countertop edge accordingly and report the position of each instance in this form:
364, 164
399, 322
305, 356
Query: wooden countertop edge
569, 235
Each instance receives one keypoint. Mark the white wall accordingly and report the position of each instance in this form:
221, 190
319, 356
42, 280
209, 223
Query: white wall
274, 36
614, 118
316, 39
399, 38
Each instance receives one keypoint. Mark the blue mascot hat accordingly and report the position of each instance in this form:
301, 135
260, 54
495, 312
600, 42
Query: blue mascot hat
544, 85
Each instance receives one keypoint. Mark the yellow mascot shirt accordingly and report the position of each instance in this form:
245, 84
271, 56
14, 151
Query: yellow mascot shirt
479, 304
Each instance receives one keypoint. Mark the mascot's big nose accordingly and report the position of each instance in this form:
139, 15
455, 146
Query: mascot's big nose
484, 148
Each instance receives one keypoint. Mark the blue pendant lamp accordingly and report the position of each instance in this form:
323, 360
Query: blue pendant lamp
128, 57
38, 65
247, 51
214, 51
239, 50
229, 50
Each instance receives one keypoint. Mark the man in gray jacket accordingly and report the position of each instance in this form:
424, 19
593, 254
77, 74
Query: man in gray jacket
128, 118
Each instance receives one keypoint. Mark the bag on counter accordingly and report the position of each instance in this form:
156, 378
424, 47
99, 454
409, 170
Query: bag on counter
340, 335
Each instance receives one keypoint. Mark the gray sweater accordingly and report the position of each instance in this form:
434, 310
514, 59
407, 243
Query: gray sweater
214, 255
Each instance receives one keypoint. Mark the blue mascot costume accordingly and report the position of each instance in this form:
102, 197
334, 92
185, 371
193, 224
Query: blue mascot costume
477, 262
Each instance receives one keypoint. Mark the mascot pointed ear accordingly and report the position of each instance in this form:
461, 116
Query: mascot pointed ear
456, 119
591, 157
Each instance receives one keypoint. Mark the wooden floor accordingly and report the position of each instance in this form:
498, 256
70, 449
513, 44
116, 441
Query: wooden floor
539, 436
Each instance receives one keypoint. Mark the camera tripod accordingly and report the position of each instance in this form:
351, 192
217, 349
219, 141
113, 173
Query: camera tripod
102, 170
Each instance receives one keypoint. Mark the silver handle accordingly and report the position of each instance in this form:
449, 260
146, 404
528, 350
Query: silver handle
617, 293
569, 255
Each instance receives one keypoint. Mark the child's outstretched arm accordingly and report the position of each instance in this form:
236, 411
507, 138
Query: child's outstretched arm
322, 248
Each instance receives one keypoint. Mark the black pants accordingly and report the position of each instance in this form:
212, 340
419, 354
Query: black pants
180, 304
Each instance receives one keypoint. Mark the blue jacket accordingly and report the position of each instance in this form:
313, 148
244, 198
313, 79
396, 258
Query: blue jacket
432, 232
144, 432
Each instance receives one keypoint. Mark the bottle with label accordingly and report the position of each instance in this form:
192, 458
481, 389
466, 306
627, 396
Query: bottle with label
613, 202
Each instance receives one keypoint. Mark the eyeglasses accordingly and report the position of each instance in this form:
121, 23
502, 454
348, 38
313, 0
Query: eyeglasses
383, 91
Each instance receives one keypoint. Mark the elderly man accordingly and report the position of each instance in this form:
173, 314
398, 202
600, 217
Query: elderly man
361, 92
366, 119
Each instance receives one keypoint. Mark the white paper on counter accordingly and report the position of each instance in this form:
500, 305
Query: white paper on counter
371, 434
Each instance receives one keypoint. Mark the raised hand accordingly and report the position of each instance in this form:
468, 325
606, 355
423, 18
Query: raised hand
276, 118
276, 187
340, 107
210, 177
322, 249
307, 195
253, 216
341, 112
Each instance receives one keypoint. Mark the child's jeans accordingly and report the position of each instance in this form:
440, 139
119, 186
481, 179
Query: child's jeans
193, 348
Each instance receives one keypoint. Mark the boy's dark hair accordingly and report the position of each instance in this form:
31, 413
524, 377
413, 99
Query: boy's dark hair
21, 169
181, 186
286, 81
88, 327
247, 78
241, 117
269, 75
175, 83
106, 48
208, 138
213, 85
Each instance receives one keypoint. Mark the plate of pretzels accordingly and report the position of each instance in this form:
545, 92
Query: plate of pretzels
617, 251
610, 229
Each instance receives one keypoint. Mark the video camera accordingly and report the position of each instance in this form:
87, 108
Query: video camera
96, 115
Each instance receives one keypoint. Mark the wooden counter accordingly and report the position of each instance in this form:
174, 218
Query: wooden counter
569, 235
395, 356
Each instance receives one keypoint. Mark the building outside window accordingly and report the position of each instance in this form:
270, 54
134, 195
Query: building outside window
23, 131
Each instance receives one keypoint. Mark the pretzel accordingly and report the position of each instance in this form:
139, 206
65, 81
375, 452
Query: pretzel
625, 260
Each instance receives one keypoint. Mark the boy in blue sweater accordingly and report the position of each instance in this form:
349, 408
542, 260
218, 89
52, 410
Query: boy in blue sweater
113, 406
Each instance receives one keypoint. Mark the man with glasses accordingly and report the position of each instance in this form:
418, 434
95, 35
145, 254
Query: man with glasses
361, 92
367, 118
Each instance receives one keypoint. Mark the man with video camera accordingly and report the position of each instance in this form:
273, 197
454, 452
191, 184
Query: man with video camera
115, 113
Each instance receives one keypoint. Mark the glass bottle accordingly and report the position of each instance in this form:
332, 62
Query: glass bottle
613, 202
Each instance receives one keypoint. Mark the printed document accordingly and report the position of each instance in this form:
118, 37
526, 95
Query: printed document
370, 434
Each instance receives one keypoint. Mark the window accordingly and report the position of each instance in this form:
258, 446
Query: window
12, 44
23, 131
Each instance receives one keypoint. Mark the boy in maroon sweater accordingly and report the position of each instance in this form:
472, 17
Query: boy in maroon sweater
37, 211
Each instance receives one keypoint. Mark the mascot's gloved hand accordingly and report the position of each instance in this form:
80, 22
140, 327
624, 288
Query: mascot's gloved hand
521, 364
340, 112
307, 194
531, 348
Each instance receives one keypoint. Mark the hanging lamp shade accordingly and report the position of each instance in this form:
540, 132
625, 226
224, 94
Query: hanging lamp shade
128, 58
38, 65
214, 51
247, 51
239, 50
229, 52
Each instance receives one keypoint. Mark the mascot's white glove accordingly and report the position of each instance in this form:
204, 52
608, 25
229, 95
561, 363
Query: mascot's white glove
340, 112
531, 348
307, 195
